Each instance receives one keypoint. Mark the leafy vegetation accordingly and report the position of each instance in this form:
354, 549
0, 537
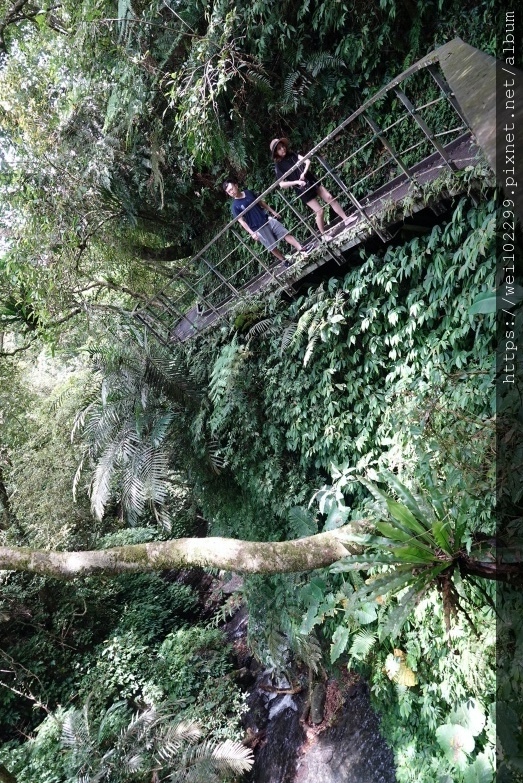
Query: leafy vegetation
365, 405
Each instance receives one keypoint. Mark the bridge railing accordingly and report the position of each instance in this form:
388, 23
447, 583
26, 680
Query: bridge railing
378, 149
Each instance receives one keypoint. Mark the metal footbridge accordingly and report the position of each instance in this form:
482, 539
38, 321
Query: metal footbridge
434, 120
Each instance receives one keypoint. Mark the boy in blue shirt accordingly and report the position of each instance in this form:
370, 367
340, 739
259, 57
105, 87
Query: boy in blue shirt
261, 227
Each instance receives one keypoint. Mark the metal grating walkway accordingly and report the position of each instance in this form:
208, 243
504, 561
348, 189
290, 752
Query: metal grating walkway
380, 159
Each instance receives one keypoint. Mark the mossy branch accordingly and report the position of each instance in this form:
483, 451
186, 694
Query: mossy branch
255, 557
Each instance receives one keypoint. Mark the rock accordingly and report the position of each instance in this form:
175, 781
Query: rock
352, 750
319, 692
276, 759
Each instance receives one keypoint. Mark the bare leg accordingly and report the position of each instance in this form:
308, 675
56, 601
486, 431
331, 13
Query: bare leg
332, 202
293, 241
316, 207
277, 254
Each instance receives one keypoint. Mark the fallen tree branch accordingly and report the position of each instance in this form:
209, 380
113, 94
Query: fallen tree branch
261, 557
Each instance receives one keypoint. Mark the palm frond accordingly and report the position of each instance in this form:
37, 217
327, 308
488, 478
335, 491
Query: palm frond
362, 644
175, 736
75, 731
101, 483
233, 756
288, 336
210, 757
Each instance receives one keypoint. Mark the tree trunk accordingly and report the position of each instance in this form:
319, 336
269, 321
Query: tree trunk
5, 508
303, 554
5, 775
494, 569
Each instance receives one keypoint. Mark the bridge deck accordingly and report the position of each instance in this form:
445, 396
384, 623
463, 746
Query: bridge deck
386, 152
462, 152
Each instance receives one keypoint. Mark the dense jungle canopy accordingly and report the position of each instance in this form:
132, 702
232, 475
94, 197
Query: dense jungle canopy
337, 447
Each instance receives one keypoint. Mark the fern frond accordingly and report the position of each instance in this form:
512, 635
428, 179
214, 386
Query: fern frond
319, 61
307, 649
362, 644
302, 522
233, 756
217, 460
224, 370
303, 324
260, 80
310, 349
288, 336
266, 326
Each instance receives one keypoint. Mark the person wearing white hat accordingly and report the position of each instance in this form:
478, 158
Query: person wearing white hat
308, 189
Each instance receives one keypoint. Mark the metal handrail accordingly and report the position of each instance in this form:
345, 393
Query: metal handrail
336, 174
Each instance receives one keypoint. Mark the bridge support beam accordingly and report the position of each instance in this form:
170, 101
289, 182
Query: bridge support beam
477, 79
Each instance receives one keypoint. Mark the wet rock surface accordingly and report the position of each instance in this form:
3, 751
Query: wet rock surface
352, 750
301, 732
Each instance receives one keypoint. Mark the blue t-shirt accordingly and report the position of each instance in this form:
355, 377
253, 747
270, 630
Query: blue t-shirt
255, 217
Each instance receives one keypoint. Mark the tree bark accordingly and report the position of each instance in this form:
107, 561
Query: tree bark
5, 508
5, 775
255, 557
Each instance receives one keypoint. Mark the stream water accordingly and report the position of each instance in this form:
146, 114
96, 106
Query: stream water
345, 747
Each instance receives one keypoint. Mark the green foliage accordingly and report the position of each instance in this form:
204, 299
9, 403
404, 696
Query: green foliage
399, 324
275, 632
114, 133
40, 758
194, 666
124, 747
130, 642
126, 425
386, 370
422, 544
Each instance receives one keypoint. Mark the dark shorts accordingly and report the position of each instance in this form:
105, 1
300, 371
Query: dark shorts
308, 192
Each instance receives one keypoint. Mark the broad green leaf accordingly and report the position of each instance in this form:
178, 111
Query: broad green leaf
414, 554
376, 493
439, 530
385, 584
310, 619
336, 517
437, 498
393, 532
404, 494
484, 303
365, 539
456, 742
471, 715
340, 639
365, 614
480, 771
407, 519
